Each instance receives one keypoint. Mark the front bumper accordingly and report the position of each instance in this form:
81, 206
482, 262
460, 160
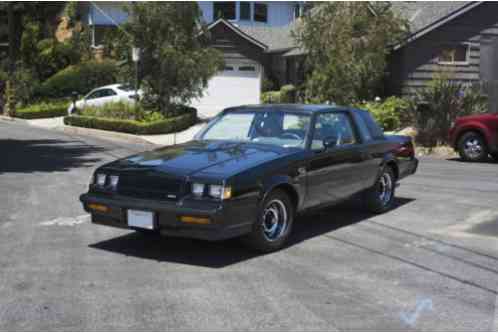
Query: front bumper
225, 218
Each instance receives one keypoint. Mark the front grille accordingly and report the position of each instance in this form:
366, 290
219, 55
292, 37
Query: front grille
157, 187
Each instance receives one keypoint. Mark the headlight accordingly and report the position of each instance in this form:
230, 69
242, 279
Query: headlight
197, 189
113, 180
220, 192
101, 179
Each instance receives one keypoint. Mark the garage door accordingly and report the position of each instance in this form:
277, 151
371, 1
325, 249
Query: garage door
237, 84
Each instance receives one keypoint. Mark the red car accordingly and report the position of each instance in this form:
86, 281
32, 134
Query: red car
475, 137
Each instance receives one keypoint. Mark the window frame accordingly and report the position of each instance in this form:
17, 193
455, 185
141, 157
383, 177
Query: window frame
454, 45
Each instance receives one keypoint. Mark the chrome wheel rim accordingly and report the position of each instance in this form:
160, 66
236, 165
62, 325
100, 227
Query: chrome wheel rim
385, 188
473, 147
275, 220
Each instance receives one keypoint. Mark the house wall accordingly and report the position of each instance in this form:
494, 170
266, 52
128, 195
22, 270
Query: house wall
414, 65
280, 13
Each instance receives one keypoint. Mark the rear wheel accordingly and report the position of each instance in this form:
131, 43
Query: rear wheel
380, 197
472, 147
274, 223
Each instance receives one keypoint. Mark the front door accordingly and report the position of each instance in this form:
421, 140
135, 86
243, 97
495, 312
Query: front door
334, 172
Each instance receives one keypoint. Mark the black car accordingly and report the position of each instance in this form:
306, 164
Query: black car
250, 171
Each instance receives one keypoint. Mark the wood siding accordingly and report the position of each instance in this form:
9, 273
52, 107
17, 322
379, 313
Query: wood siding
415, 64
236, 47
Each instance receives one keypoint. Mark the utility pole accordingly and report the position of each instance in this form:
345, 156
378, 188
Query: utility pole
12, 32
10, 88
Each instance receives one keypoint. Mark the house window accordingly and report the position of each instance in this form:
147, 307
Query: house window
247, 69
297, 11
260, 12
225, 10
245, 10
101, 32
454, 54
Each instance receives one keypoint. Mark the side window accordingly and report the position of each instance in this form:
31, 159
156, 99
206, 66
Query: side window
95, 94
362, 126
374, 129
107, 93
333, 125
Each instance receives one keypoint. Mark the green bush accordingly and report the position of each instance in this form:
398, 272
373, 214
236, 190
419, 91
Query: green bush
270, 97
152, 125
80, 78
440, 103
288, 94
43, 110
391, 114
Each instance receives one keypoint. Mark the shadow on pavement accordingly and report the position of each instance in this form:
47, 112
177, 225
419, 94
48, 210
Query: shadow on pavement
489, 160
221, 254
25, 156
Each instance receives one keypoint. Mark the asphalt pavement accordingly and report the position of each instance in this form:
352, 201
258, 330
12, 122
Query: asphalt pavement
429, 264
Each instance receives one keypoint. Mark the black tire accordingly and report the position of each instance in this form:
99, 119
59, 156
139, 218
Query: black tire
494, 156
273, 206
472, 147
380, 198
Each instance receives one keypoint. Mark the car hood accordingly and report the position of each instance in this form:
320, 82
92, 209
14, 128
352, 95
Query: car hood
217, 159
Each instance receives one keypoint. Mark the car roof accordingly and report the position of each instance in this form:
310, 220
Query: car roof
111, 86
304, 108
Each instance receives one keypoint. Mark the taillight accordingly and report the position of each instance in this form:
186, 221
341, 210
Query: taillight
406, 150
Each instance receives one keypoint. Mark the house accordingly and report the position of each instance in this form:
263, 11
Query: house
459, 37
253, 36
257, 43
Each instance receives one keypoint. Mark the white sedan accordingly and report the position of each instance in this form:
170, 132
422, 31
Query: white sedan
107, 94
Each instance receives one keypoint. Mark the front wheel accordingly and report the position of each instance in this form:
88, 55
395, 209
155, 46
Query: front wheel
380, 197
274, 223
495, 156
472, 147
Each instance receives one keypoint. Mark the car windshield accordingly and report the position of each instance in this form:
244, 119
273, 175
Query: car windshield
281, 128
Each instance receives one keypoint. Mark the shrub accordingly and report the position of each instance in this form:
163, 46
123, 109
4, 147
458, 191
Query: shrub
288, 94
392, 113
80, 78
270, 97
152, 124
43, 110
440, 103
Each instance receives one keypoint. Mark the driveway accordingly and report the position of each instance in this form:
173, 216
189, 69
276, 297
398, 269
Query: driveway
429, 264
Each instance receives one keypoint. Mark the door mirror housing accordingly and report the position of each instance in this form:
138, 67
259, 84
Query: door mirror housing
329, 142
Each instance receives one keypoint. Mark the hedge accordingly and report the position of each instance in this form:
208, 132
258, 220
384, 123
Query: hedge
43, 110
166, 126
79, 78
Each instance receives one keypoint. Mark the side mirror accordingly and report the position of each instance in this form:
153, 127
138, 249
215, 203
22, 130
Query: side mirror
329, 142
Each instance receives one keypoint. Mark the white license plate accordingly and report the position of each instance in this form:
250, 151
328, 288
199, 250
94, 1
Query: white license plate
141, 219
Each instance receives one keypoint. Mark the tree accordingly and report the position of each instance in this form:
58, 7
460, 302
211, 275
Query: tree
175, 61
347, 45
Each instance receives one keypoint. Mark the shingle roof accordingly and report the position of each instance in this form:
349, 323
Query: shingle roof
421, 16
276, 38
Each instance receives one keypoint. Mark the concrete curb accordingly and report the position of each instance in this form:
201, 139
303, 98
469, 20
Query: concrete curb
130, 138
19, 120
72, 130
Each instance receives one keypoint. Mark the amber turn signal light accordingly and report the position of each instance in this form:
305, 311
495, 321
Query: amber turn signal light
98, 208
195, 220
